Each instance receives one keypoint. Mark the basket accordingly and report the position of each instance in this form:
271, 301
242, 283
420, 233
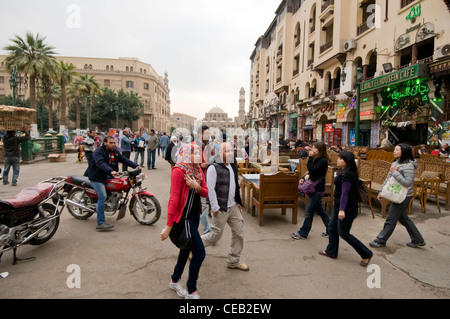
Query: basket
13, 118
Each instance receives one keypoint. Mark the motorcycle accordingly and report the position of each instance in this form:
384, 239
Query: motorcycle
31, 217
82, 199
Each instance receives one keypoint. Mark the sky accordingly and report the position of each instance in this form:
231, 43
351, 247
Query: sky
203, 45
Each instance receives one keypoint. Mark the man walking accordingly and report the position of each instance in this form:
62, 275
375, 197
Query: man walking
140, 148
164, 141
125, 145
226, 205
11, 152
105, 165
152, 145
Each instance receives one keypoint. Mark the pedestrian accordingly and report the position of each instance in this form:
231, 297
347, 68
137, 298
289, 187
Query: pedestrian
89, 148
403, 169
125, 145
346, 200
139, 141
105, 164
187, 181
226, 205
317, 171
152, 145
172, 150
202, 140
164, 141
11, 152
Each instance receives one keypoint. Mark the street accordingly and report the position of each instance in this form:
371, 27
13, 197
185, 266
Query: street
130, 262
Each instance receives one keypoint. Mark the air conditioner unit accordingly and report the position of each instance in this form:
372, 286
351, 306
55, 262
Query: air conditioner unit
442, 52
350, 45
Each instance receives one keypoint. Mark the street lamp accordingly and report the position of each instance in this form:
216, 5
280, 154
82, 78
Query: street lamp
13, 83
358, 80
89, 110
115, 107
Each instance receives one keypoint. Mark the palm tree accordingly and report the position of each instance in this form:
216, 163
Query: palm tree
88, 87
64, 75
31, 55
75, 94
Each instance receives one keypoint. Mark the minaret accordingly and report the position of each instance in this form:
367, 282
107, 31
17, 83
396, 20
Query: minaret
242, 107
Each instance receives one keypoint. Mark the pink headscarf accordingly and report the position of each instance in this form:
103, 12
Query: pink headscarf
184, 161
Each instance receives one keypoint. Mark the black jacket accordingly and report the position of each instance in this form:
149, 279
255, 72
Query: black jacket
11, 144
104, 162
317, 169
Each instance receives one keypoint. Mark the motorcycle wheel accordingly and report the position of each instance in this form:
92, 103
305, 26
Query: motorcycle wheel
152, 210
50, 230
77, 196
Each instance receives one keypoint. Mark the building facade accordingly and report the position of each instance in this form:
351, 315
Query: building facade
182, 121
306, 67
129, 74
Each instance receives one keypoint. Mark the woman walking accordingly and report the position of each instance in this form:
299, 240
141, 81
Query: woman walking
403, 169
187, 186
317, 169
345, 209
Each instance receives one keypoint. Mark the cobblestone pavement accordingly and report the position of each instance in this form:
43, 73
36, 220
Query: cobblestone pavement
131, 262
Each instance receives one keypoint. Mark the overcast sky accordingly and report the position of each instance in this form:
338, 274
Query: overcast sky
204, 45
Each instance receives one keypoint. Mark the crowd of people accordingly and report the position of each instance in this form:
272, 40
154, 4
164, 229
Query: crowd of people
204, 190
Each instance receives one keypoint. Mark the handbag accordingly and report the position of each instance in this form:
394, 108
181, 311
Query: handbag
180, 234
394, 191
308, 187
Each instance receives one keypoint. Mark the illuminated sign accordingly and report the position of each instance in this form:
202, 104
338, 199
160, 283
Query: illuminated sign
414, 13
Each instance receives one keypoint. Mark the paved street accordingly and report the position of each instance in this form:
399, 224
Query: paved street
131, 262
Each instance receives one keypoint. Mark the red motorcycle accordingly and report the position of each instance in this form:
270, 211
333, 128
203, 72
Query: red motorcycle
82, 199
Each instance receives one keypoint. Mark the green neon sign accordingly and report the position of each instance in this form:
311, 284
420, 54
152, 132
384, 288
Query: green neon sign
414, 13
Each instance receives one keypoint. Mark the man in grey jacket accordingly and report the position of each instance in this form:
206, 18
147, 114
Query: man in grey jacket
152, 145
11, 149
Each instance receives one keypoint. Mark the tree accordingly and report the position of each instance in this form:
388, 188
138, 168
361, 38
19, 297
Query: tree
64, 76
89, 88
31, 55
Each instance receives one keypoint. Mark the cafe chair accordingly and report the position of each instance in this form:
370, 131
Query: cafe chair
276, 191
431, 188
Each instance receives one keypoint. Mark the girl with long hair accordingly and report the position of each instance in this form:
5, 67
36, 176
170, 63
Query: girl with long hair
317, 170
403, 169
345, 209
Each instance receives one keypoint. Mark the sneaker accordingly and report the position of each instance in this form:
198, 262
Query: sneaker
5, 183
376, 244
178, 287
242, 267
14, 184
325, 235
104, 226
193, 295
297, 236
415, 245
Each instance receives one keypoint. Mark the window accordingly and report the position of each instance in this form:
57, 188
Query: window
405, 3
146, 86
2, 80
107, 83
130, 84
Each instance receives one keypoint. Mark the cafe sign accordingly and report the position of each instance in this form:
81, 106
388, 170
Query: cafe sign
409, 73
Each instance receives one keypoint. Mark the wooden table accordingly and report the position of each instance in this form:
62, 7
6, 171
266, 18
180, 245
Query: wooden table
250, 180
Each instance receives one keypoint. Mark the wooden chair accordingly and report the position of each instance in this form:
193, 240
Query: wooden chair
328, 198
431, 188
246, 186
276, 191
417, 193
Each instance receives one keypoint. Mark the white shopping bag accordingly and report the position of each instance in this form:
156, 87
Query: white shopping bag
394, 191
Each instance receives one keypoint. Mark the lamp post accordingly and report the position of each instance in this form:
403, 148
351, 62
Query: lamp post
358, 80
89, 110
115, 107
13, 83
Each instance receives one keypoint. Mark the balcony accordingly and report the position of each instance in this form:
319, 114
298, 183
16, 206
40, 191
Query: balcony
363, 28
326, 46
327, 9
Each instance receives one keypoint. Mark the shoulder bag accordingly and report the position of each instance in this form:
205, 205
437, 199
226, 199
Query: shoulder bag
394, 191
180, 234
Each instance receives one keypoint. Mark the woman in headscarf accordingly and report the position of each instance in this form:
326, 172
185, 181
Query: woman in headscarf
187, 186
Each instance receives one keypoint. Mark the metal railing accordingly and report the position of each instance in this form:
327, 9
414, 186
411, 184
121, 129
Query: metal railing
40, 148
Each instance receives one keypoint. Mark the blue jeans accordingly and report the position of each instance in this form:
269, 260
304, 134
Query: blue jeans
151, 158
341, 228
164, 149
136, 157
314, 205
198, 255
15, 163
204, 217
100, 189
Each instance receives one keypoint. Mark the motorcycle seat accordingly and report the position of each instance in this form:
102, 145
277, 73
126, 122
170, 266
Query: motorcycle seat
81, 180
30, 196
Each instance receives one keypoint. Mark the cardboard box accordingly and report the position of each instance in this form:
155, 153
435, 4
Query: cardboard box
57, 157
